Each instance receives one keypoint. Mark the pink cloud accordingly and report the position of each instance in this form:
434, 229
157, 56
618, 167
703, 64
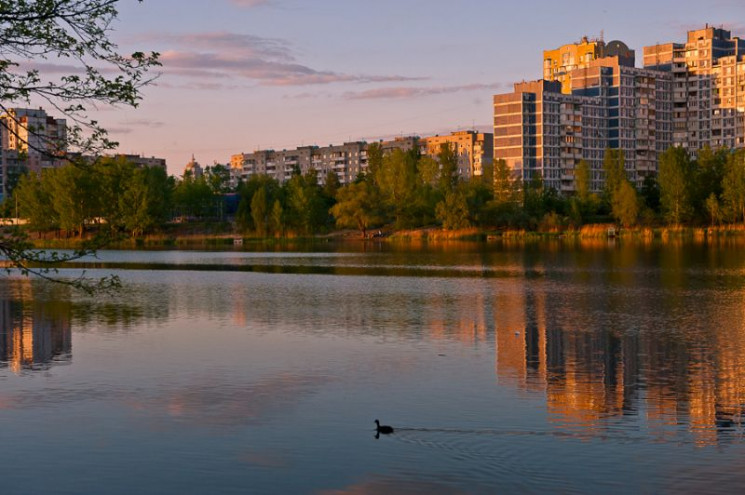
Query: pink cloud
271, 62
416, 92
251, 3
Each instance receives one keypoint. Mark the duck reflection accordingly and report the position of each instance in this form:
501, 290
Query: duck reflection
34, 335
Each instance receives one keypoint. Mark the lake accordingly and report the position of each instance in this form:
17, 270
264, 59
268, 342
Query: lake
597, 367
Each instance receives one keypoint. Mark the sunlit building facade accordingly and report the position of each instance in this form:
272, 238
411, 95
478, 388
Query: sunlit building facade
558, 64
708, 77
32, 140
475, 150
540, 130
592, 98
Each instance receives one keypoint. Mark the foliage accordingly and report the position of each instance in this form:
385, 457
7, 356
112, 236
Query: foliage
306, 204
650, 193
626, 204
194, 198
714, 209
358, 206
116, 196
73, 34
452, 211
448, 161
675, 178
244, 217
614, 168
733, 186
506, 185
218, 178
582, 181
34, 197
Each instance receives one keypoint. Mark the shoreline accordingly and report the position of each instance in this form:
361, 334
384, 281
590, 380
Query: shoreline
595, 232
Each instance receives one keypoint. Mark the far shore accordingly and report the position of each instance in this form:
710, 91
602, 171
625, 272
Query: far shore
194, 239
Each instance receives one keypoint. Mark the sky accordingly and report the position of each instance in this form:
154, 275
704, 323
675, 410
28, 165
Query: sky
243, 75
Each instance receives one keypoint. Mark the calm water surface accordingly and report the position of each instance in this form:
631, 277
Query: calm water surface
597, 368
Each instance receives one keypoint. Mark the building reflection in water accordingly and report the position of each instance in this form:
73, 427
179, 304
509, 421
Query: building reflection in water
34, 334
596, 371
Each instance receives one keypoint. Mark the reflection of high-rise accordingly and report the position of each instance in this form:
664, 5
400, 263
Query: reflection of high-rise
597, 368
33, 334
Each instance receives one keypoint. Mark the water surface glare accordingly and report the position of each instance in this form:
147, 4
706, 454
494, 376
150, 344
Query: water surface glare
562, 369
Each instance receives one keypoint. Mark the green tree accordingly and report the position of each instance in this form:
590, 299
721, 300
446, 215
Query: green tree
112, 176
614, 168
505, 184
533, 193
358, 207
34, 197
218, 178
448, 160
583, 181
374, 160
709, 170
145, 201
260, 212
714, 209
733, 186
193, 197
74, 197
429, 171
75, 33
278, 218
452, 211
246, 191
397, 181
305, 202
651, 193
626, 204
676, 172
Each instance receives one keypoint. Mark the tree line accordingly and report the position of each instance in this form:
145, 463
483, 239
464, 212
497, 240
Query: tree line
400, 189
113, 195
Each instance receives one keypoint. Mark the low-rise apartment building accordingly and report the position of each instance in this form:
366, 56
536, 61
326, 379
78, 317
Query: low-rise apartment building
474, 150
348, 160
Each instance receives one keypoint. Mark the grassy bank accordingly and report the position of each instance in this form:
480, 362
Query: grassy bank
194, 238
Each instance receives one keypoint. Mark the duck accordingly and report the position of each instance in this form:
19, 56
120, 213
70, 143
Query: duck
384, 429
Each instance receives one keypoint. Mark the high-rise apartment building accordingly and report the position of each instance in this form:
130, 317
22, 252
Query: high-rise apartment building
559, 63
29, 139
539, 129
592, 98
39, 136
639, 110
708, 77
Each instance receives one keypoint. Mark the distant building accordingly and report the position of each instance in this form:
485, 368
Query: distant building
143, 161
592, 98
474, 150
350, 159
30, 139
558, 64
539, 129
346, 161
193, 168
708, 77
